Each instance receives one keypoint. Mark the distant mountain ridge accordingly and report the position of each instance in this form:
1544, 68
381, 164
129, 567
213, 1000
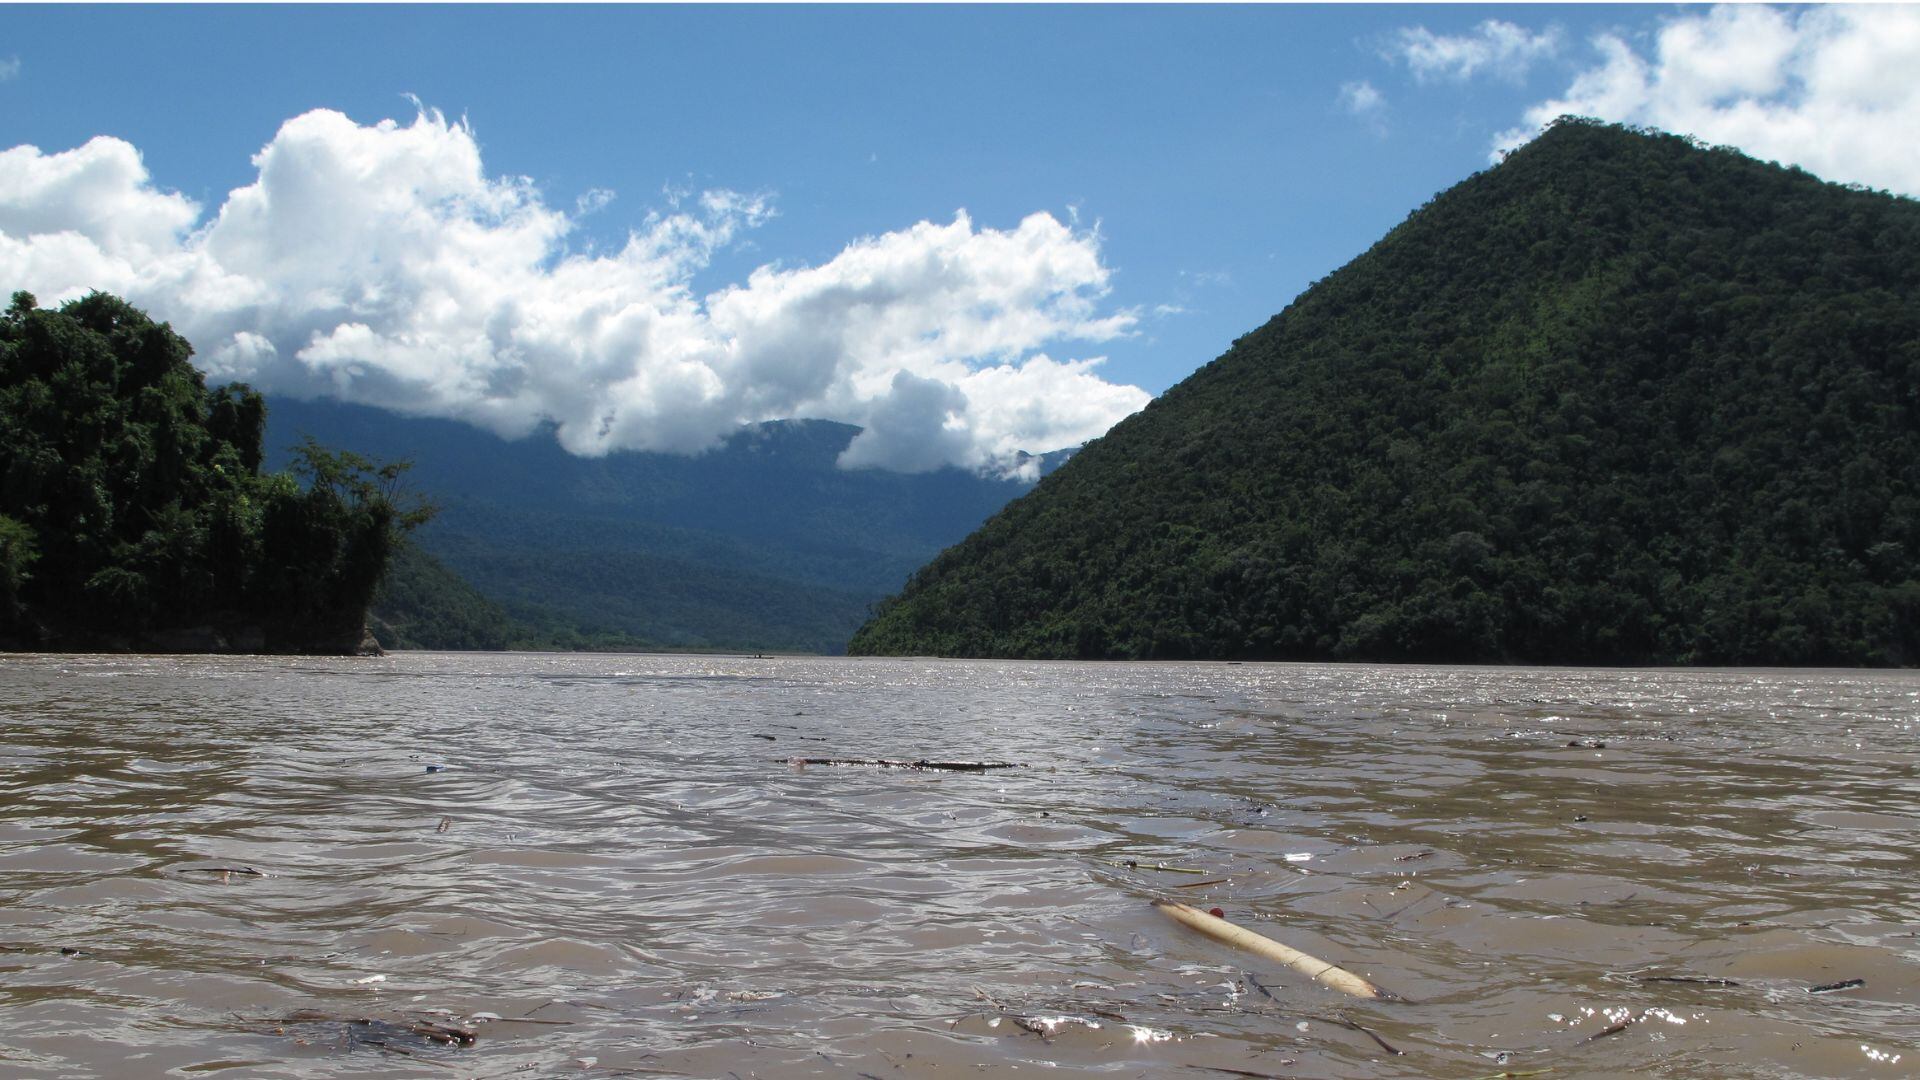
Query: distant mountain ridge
1621, 399
763, 543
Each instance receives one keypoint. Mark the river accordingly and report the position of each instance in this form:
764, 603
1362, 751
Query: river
607, 866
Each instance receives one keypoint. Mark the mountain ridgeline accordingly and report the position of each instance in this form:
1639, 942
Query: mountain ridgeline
761, 543
1622, 399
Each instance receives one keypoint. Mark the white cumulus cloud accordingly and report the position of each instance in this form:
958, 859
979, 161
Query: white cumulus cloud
1494, 47
380, 264
1831, 89
1361, 98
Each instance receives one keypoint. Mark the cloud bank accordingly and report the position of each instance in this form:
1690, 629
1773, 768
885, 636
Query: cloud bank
381, 265
1495, 47
1831, 89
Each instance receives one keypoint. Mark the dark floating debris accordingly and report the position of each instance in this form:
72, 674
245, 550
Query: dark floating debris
1614, 1029
1341, 1021
769, 738
887, 763
442, 1033
247, 871
1836, 987
390, 1035
1691, 980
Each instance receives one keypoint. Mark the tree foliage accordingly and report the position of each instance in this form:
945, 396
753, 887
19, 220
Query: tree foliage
1621, 399
131, 500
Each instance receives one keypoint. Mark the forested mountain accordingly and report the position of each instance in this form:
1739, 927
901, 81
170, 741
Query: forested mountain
133, 512
763, 543
1620, 399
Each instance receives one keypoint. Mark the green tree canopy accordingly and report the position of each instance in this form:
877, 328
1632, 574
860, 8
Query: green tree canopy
131, 501
1621, 399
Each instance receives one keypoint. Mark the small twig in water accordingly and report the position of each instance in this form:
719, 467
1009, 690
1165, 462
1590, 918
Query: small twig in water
1341, 1021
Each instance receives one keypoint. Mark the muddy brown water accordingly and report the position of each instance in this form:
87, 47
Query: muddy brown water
616, 846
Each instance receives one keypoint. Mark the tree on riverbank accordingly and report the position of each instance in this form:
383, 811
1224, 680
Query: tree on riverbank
133, 513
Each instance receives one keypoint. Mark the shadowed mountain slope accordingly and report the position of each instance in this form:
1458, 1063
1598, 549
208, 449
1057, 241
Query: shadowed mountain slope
1621, 399
761, 543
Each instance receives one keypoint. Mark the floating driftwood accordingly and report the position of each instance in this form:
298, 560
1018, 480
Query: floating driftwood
1690, 980
888, 763
1240, 937
1836, 987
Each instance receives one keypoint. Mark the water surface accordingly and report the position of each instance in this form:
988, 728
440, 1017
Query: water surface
612, 856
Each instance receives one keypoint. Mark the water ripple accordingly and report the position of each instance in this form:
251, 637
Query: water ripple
617, 844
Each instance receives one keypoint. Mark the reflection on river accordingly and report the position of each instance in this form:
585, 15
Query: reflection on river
615, 860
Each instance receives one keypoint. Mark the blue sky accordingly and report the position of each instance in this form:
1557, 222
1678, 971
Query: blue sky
1198, 167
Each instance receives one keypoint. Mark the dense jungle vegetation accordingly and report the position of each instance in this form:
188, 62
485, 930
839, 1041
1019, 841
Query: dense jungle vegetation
1622, 399
134, 513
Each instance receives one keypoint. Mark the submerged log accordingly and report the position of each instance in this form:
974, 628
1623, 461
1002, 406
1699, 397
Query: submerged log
1313, 967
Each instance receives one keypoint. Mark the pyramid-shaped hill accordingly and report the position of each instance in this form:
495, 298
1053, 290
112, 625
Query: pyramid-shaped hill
1621, 399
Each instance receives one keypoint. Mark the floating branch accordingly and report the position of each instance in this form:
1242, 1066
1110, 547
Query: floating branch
1836, 987
1313, 967
1132, 864
886, 763
1691, 980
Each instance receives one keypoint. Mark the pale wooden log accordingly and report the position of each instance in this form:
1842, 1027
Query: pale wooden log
1240, 937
